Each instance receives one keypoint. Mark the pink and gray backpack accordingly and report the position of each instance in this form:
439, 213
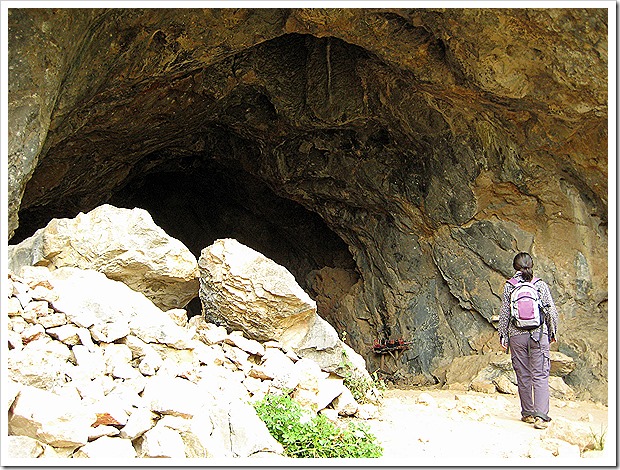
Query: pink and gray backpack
526, 310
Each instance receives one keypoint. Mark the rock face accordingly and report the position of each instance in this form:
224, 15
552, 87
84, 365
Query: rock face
123, 244
394, 160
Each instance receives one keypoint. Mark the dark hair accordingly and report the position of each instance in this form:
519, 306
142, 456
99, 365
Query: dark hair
523, 262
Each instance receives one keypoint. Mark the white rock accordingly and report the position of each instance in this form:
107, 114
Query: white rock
426, 399
67, 334
24, 298
345, 404
52, 320
107, 448
14, 307
237, 356
330, 414
41, 363
124, 244
553, 449
32, 333
15, 340
23, 447
109, 332
112, 410
209, 355
89, 298
178, 315
250, 346
10, 392
178, 423
161, 441
92, 363
140, 421
367, 411
248, 433
102, 430
18, 324
150, 364
50, 418
243, 290
573, 432
35, 309
43, 291
277, 366
172, 395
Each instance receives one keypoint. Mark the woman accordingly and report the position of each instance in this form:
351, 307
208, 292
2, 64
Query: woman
529, 349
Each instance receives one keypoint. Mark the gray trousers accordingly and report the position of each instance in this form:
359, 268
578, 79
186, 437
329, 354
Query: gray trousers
531, 362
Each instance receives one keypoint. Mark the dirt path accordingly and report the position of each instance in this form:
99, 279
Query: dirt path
459, 428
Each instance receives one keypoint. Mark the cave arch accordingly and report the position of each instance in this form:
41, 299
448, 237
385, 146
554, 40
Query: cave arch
424, 146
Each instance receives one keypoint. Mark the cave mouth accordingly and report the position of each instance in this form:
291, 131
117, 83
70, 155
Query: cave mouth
213, 200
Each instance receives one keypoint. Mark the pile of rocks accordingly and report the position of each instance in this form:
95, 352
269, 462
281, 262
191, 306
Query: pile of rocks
97, 370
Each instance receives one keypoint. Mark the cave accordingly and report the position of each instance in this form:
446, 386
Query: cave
394, 166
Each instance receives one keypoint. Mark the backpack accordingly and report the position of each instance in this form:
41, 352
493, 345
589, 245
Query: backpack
526, 310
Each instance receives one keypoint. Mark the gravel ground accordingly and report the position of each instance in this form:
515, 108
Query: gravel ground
458, 428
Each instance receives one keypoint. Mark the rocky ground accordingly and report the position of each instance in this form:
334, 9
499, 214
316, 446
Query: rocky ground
447, 427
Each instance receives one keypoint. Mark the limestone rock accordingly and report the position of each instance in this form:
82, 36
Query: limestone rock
140, 421
249, 435
561, 364
345, 403
556, 449
41, 363
162, 395
23, 447
162, 441
559, 389
89, 298
243, 290
107, 448
50, 418
573, 432
123, 244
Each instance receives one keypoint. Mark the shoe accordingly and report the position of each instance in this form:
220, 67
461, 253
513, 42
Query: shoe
539, 423
528, 419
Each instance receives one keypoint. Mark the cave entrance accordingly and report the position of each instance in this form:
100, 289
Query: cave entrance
217, 201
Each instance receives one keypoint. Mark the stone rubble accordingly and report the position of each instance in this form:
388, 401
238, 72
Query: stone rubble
96, 370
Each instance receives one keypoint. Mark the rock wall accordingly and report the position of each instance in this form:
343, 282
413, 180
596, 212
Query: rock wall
435, 143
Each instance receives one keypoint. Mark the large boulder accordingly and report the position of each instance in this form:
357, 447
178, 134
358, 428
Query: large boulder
242, 289
124, 244
91, 300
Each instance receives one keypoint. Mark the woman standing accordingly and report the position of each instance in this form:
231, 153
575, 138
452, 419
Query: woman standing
529, 348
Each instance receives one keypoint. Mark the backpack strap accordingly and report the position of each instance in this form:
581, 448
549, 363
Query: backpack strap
514, 281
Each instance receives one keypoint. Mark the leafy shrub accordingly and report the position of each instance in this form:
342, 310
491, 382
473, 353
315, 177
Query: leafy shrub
358, 385
311, 437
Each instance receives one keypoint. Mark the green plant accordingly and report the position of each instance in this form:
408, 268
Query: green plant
311, 437
599, 438
358, 385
